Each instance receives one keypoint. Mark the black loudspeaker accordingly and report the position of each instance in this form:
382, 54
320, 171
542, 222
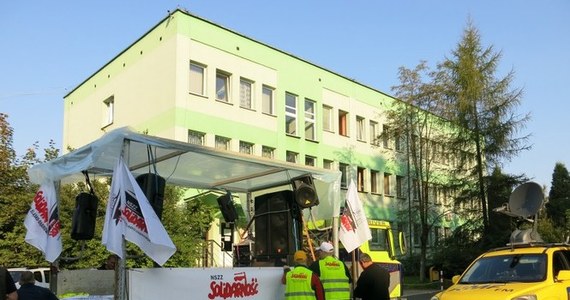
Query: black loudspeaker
152, 186
227, 208
305, 192
84, 217
274, 226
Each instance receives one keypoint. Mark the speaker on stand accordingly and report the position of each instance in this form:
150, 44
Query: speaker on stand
305, 192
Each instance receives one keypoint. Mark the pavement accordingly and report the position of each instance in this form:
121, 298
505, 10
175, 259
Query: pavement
421, 294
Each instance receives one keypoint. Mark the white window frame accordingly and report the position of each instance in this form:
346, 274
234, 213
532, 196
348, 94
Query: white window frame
328, 164
246, 92
291, 114
109, 113
374, 182
267, 100
246, 147
360, 130
268, 152
223, 86
310, 120
292, 157
196, 137
344, 170
328, 120
310, 161
197, 88
374, 140
222, 143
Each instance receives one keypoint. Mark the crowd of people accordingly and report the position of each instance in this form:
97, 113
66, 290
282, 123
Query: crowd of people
329, 278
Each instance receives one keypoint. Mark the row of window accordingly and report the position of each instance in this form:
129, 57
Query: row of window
198, 86
368, 180
223, 88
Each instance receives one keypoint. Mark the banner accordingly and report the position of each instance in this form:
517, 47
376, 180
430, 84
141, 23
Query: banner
354, 230
42, 223
130, 214
206, 283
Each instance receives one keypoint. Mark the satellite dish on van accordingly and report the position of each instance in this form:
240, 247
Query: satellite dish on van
526, 200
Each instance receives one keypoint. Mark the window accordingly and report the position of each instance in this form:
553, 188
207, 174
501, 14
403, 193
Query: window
109, 111
374, 177
343, 123
387, 184
417, 234
245, 93
267, 152
245, 147
360, 128
400, 191
196, 137
290, 114
380, 240
398, 143
222, 143
292, 156
327, 164
360, 179
310, 160
374, 133
385, 136
196, 78
310, 131
222, 86
267, 100
343, 168
327, 118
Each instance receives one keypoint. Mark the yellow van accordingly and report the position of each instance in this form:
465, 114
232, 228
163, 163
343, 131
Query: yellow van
533, 271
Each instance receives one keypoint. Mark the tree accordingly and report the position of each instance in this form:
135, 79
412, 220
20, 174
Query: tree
16, 194
421, 134
484, 105
559, 196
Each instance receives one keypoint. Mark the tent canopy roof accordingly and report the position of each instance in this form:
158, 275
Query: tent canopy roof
180, 163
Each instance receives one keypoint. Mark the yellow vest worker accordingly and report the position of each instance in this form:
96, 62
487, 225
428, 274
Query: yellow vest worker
333, 273
301, 283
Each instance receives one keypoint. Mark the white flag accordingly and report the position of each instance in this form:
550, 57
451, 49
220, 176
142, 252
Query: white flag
130, 214
354, 230
42, 223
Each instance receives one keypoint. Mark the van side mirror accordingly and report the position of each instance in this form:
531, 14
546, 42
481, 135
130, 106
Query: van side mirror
402, 243
455, 279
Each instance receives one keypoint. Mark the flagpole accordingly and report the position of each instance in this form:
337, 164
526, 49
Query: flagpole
122, 280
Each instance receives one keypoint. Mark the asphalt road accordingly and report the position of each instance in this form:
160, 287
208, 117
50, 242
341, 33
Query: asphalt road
418, 294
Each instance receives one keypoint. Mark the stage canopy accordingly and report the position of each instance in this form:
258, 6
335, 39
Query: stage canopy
187, 165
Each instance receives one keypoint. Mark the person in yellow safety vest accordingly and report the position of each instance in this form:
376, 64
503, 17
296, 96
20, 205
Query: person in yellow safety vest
334, 274
301, 283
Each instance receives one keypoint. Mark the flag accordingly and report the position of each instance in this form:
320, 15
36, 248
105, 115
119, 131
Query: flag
42, 223
130, 214
354, 230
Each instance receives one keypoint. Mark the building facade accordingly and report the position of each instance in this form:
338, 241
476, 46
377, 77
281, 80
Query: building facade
191, 80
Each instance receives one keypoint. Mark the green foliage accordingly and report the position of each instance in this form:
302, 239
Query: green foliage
559, 196
16, 194
186, 223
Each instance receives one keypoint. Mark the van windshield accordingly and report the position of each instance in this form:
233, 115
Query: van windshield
507, 268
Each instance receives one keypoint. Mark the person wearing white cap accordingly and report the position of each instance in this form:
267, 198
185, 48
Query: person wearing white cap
334, 274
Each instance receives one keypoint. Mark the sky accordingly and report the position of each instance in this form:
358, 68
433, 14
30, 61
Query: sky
49, 47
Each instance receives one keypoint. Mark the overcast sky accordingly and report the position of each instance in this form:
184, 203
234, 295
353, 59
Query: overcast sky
49, 47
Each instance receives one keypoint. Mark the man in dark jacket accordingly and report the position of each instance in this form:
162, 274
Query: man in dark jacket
29, 291
374, 281
7, 285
